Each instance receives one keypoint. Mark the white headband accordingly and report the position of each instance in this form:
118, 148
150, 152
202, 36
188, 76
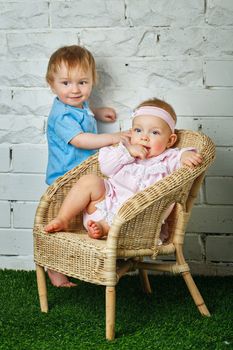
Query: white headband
156, 112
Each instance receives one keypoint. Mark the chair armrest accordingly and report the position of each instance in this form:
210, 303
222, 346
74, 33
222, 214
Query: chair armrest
68, 179
52, 199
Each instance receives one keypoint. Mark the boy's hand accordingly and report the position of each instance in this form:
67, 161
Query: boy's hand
191, 159
105, 114
121, 136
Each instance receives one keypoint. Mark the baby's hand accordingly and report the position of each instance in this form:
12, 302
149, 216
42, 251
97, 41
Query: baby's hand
137, 151
191, 159
106, 114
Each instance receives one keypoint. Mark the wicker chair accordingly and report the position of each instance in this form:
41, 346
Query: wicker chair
133, 235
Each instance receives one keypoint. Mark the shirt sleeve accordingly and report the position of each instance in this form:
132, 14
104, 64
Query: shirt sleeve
66, 127
112, 159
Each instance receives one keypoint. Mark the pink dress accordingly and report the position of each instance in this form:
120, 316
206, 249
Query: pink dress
128, 175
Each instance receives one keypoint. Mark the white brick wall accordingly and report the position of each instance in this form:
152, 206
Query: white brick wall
177, 50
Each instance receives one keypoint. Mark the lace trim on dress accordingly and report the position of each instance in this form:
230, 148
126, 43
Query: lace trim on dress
107, 215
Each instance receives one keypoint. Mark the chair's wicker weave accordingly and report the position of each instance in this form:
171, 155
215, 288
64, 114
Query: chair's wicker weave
135, 230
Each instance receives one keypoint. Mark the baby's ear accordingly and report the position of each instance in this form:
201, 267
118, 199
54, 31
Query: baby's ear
172, 140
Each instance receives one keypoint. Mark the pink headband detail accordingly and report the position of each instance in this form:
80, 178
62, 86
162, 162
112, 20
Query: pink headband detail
156, 112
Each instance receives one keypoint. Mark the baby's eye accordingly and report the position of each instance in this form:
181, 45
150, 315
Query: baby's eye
137, 130
65, 83
83, 82
155, 132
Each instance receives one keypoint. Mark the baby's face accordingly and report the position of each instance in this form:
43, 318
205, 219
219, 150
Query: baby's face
72, 87
153, 133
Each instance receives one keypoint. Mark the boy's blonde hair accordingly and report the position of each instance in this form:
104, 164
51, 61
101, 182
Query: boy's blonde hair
156, 102
72, 56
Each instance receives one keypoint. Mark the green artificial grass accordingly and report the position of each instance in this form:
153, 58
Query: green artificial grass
166, 320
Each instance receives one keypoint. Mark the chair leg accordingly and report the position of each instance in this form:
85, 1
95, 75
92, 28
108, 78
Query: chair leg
42, 288
145, 281
196, 295
110, 312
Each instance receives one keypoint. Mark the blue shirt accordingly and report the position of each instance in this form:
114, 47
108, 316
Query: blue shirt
64, 123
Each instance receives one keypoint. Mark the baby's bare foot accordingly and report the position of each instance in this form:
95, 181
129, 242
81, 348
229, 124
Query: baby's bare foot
95, 229
56, 225
59, 280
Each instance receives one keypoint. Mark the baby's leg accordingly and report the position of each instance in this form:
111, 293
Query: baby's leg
57, 224
97, 229
88, 189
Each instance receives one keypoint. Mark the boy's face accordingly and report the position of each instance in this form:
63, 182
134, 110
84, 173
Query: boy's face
153, 133
72, 87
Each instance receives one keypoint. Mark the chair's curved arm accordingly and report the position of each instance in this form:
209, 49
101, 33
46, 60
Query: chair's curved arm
55, 193
90, 165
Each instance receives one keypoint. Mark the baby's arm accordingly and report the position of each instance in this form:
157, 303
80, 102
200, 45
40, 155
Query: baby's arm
112, 159
191, 158
105, 114
94, 141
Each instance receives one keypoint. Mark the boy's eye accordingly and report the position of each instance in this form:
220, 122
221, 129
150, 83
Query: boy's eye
65, 83
137, 130
83, 82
